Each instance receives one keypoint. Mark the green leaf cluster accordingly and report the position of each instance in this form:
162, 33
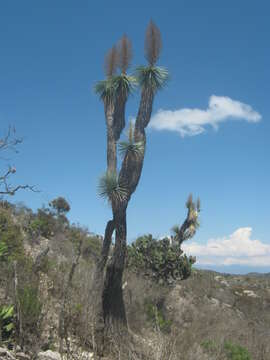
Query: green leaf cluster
159, 258
156, 316
43, 224
110, 189
117, 85
6, 321
236, 352
228, 349
60, 205
152, 77
3, 250
11, 246
30, 306
131, 146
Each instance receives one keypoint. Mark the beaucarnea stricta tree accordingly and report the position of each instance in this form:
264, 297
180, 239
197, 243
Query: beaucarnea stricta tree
118, 186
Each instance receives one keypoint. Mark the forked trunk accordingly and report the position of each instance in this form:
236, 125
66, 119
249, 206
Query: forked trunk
113, 303
109, 308
98, 288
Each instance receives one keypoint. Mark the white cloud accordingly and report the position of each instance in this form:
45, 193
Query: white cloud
194, 121
236, 249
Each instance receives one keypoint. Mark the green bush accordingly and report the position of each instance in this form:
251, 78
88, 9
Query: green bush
60, 205
3, 251
6, 322
91, 247
11, 236
229, 350
210, 346
155, 315
236, 352
43, 224
159, 259
30, 305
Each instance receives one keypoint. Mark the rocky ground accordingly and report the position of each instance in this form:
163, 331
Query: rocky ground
208, 316
207, 308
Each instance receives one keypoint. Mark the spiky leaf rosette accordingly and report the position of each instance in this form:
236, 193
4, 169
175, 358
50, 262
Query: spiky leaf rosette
191, 223
189, 202
110, 189
198, 205
152, 44
124, 84
153, 77
3, 249
176, 229
121, 85
130, 146
111, 62
106, 89
124, 53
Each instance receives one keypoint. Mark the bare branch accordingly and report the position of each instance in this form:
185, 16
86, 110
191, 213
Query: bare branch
7, 188
8, 141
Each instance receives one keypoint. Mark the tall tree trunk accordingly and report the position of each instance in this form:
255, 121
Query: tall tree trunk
98, 287
113, 303
111, 141
111, 151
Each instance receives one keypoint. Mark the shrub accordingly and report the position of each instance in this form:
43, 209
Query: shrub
10, 235
43, 224
228, 350
155, 314
210, 346
60, 205
91, 247
236, 352
30, 306
159, 258
3, 251
6, 322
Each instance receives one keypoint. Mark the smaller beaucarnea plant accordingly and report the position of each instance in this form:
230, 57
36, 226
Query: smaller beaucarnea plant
110, 189
189, 227
130, 146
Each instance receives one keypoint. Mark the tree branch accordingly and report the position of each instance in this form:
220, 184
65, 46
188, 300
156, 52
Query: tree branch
9, 142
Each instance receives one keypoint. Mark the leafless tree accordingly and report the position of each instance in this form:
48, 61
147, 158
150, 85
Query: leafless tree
10, 142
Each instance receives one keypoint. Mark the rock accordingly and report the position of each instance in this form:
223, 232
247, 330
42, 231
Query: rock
250, 293
214, 301
5, 354
3, 351
87, 355
49, 355
22, 356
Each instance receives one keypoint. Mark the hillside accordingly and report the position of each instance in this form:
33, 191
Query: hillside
206, 316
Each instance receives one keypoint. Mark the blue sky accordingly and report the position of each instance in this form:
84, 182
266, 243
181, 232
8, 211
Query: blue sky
51, 56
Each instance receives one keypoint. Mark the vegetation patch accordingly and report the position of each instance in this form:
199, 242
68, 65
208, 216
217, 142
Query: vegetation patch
155, 315
159, 259
228, 350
